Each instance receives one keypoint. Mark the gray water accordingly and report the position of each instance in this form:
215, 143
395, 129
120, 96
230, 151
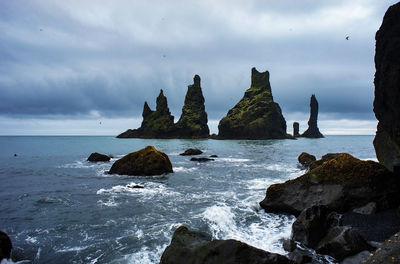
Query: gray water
59, 208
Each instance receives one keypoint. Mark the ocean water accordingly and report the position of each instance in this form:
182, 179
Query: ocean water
59, 208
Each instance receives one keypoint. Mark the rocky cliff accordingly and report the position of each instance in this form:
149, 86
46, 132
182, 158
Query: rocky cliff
387, 89
256, 115
313, 131
193, 121
160, 123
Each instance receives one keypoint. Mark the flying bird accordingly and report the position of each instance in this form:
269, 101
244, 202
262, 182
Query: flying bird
347, 38
41, 29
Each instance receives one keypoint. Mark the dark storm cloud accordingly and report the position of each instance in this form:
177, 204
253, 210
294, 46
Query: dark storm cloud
73, 58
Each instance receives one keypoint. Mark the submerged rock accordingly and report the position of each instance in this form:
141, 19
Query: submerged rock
313, 131
341, 183
202, 159
193, 121
387, 89
191, 152
145, 162
98, 157
256, 115
189, 247
5, 246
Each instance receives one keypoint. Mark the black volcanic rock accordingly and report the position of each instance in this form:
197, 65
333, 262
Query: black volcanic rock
191, 152
305, 159
387, 89
145, 162
5, 246
341, 183
189, 247
296, 127
193, 121
201, 159
98, 157
256, 115
155, 124
313, 131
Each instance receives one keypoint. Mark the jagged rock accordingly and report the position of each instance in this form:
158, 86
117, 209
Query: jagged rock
313, 131
342, 242
389, 252
98, 157
5, 246
369, 208
189, 247
213, 156
296, 128
256, 115
387, 89
341, 183
155, 124
193, 121
203, 159
306, 159
191, 152
145, 162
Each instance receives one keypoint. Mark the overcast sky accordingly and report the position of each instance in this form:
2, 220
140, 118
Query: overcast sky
66, 66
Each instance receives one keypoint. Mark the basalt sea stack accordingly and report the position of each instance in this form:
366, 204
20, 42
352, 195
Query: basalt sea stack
387, 89
160, 123
313, 131
193, 121
256, 115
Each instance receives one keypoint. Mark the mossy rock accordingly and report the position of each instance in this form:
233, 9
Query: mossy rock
341, 183
145, 162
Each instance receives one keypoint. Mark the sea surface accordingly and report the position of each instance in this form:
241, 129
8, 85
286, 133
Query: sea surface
59, 208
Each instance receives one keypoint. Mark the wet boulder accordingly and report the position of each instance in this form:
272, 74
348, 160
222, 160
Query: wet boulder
98, 157
145, 162
201, 159
5, 246
306, 159
191, 152
189, 247
341, 183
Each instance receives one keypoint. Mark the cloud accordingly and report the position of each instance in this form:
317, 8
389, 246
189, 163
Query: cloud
69, 58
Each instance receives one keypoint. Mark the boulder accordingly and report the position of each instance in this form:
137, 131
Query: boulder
98, 157
202, 159
189, 247
145, 162
306, 159
193, 121
213, 156
296, 128
387, 89
5, 246
256, 115
369, 208
341, 183
342, 242
191, 152
313, 131
389, 252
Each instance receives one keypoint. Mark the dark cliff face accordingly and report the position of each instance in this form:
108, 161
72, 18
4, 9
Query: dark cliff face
256, 115
313, 131
160, 123
387, 89
193, 121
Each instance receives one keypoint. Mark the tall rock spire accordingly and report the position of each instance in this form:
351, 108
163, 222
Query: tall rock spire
256, 115
193, 121
313, 131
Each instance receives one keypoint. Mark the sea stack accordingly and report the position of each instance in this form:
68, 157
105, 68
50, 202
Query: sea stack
313, 131
296, 127
387, 89
155, 124
256, 115
193, 121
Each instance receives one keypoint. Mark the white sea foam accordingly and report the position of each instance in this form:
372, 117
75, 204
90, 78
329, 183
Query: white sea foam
183, 169
146, 255
233, 160
31, 240
69, 249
